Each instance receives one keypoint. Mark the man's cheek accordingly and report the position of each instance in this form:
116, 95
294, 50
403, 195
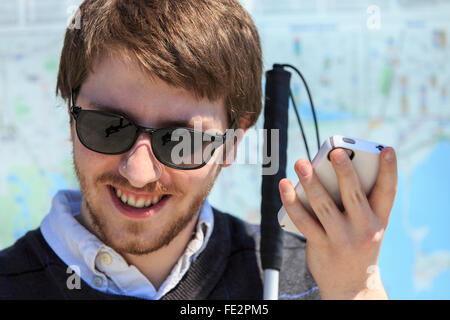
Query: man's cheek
195, 179
90, 160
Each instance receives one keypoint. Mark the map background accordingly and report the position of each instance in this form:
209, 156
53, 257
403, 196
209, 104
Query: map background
382, 78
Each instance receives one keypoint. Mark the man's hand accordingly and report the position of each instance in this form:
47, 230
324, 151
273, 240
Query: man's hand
342, 248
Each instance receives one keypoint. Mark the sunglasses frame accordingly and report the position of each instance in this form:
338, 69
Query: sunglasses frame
75, 111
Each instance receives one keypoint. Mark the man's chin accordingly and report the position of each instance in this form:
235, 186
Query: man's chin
141, 237
136, 246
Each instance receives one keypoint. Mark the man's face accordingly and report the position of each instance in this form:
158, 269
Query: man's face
178, 194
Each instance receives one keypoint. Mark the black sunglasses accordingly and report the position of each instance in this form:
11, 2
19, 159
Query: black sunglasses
176, 147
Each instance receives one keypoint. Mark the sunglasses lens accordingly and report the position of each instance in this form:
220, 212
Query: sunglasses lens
105, 133
181, 148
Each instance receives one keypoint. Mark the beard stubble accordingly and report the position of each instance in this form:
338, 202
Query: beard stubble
140, 245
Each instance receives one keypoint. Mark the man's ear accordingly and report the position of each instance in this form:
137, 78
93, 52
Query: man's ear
68, 109
70, 120
235, 137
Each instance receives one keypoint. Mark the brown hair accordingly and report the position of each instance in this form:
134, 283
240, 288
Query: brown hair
209, 47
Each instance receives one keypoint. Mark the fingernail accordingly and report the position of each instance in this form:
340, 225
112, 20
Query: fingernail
304, 169
389, 155
339, 156
284, 188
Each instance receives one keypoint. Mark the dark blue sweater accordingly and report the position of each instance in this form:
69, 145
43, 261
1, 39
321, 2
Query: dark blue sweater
228, 268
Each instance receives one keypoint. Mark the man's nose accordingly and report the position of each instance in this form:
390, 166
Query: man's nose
139, 165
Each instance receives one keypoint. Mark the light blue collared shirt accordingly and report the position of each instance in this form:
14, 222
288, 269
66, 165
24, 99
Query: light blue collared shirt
99, 265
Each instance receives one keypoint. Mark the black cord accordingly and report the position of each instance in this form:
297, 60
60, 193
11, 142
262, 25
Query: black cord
300, 123
312, 108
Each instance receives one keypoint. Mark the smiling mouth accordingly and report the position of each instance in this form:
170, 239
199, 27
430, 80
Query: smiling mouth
137, 201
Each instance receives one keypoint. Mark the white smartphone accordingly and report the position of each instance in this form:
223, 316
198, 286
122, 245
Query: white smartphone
365, 159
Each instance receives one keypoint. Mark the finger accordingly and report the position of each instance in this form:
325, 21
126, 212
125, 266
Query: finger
320, 201
382, 197
352, 193
303, 221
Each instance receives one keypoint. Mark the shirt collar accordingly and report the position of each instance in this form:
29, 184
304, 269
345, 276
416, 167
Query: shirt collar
99, 265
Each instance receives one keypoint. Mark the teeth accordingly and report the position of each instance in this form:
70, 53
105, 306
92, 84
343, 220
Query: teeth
140, 203
131, 201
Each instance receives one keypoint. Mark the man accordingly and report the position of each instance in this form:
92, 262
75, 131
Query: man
141, 226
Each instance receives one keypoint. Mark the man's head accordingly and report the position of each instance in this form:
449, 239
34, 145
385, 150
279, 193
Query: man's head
208, 47
160, 63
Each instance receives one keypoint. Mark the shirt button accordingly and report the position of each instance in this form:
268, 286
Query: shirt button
105, 258
98, 281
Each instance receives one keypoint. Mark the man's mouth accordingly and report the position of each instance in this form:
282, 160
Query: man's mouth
137, 205
137, 201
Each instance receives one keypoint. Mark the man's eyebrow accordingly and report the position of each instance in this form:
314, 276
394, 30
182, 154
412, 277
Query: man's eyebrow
180, 124
109, 108
163, 124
